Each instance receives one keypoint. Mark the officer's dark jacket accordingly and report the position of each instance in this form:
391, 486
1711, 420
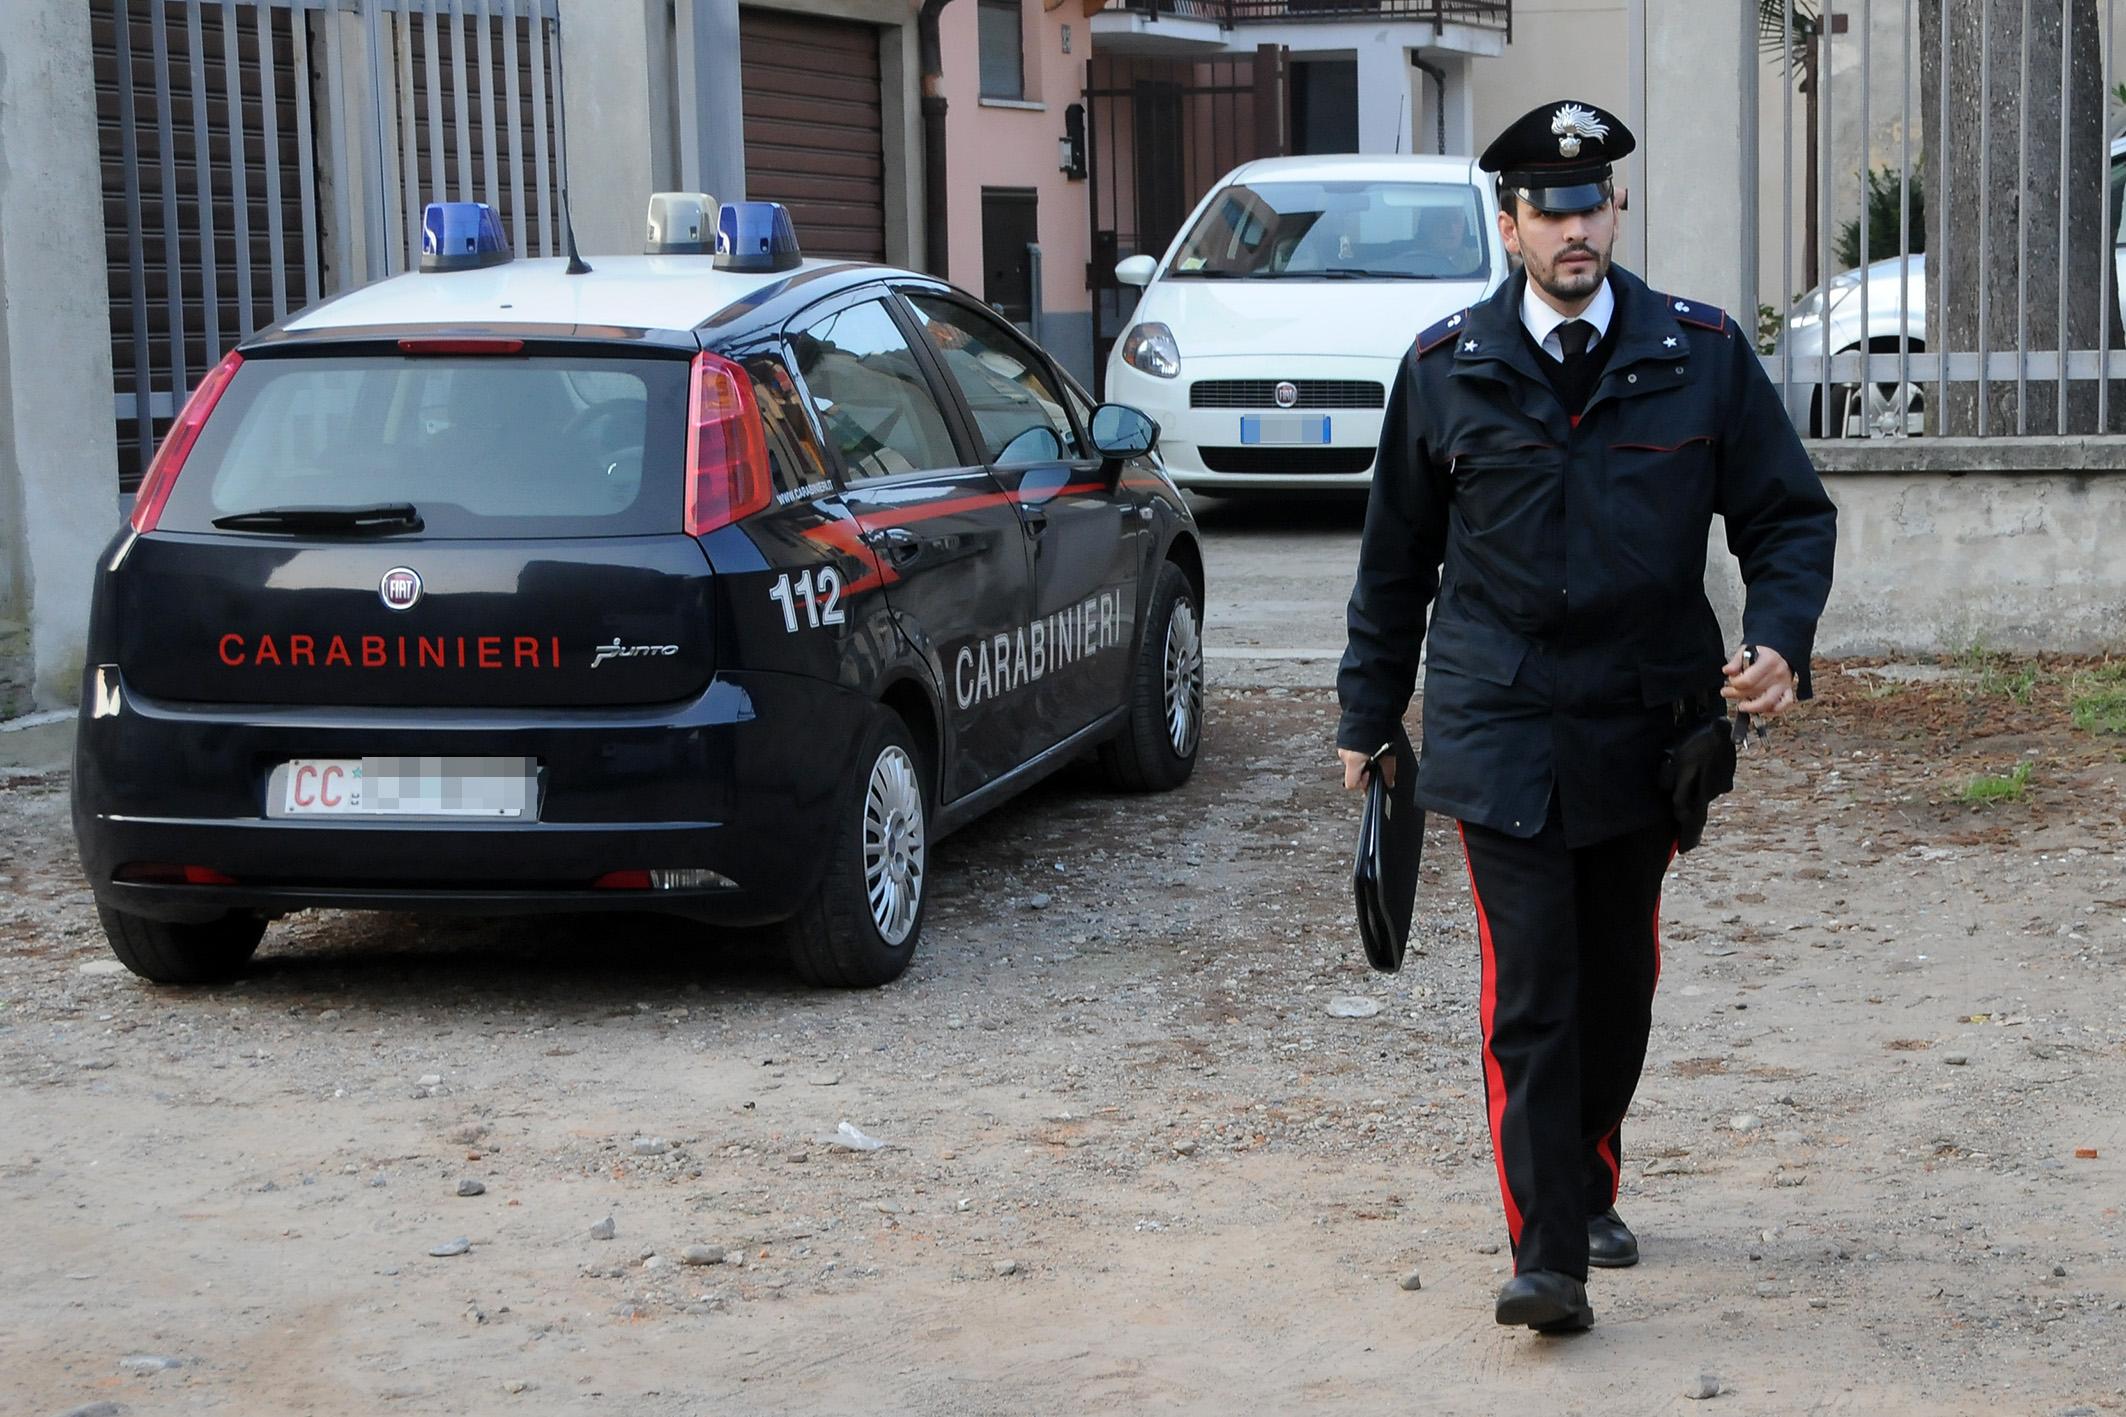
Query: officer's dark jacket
1570, 615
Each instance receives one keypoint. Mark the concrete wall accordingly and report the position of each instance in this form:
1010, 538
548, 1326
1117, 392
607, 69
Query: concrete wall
57, 444
2008, 543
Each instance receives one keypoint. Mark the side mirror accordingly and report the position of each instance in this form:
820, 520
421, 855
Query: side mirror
1120, 432
1137, 270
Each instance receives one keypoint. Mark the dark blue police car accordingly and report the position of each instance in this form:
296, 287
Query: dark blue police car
714, 584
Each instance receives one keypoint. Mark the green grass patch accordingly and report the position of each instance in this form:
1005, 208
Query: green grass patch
2100, 710
1992, 672
1986, 788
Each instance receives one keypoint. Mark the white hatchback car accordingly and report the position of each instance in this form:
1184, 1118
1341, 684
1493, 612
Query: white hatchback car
1268, 334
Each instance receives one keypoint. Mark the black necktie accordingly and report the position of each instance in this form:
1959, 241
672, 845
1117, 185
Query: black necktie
1573, 337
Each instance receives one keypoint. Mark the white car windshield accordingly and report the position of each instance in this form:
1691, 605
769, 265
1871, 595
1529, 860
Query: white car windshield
1338, 230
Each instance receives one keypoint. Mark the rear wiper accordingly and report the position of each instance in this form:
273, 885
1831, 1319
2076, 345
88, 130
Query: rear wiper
383, 516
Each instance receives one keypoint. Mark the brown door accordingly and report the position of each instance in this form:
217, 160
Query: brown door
814, 129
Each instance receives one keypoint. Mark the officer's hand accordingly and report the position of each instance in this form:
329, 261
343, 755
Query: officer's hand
1355, 768
1766, 688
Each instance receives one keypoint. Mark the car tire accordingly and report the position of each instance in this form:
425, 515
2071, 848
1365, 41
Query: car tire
861, 928
171, 952
1162, 728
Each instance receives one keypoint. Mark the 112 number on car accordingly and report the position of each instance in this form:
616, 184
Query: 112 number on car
821, 591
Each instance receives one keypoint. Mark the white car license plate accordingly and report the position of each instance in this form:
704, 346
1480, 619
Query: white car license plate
1285, 429
402, 787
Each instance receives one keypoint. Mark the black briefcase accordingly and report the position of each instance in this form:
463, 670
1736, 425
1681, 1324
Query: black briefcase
1391, 842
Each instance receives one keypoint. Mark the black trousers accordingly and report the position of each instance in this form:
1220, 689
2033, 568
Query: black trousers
1571, 952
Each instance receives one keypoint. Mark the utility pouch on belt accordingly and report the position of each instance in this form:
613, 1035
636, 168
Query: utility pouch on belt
1698, 766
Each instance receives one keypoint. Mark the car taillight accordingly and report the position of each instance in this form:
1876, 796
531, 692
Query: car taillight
727, 451
177, 443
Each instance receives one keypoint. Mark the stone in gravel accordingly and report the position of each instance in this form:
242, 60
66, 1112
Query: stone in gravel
95, 1409
1410, 1282
1771, 1291
102, 966
1790, 1178
1489, 1247
516, 1385
1703, 1386
797, 1158
651, 1146
1954, 1060
431, 1080
471, 1187
1743, 1122
2059, 1271
825, 1079
1003, 1268
451, 1247
1040, 901
701, 1254
149, 1363
1353, 1006
1184, 1148
604, 1229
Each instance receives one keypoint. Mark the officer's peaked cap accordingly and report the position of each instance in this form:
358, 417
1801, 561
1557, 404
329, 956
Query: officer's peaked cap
1556, 157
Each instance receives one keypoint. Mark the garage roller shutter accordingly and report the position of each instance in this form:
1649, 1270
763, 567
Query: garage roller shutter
814, 129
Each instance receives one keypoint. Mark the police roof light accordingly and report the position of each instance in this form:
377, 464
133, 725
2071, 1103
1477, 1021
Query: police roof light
756, 236
681, 224
461, 236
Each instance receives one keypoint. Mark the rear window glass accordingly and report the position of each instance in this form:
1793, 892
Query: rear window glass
481, 446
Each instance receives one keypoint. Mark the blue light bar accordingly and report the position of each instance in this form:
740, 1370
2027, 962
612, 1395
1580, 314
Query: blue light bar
461, 236
756, 236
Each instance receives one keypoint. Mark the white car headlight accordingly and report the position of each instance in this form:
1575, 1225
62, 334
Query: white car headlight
1151, 348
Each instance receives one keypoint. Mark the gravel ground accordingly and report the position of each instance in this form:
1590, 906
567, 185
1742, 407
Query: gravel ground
1132, 1160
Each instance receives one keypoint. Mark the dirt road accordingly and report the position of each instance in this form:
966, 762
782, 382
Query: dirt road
1132, 1163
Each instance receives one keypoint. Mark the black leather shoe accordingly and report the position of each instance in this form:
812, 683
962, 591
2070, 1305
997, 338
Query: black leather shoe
1610, 1243
1546, 1301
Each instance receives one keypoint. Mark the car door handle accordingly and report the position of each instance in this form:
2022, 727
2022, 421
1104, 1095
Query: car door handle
897, 542
1036, 520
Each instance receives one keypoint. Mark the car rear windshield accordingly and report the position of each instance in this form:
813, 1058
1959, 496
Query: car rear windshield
1327, 230
479, 446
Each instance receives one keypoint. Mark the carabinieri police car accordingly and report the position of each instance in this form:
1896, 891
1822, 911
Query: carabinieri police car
715, 581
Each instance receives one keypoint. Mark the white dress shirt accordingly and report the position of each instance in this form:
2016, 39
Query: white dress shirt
1542, 318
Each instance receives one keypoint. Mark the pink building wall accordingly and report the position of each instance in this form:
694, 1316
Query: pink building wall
991, 144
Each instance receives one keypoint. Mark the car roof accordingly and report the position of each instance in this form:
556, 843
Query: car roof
659, 293
1359, 167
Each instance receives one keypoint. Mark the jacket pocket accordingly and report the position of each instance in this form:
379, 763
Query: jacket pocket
1479, 651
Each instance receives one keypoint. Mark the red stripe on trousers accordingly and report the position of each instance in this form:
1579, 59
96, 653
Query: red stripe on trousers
1494, 1076
1606, 1148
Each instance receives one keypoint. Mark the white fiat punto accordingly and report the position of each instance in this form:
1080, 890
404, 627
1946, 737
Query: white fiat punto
1268, 334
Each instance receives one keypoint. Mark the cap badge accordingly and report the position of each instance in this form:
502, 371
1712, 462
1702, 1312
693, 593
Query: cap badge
1572, 123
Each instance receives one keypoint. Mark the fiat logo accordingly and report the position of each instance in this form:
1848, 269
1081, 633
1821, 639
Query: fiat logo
401, 588
1287, 394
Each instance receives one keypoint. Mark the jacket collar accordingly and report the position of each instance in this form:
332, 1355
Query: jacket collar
1642, 327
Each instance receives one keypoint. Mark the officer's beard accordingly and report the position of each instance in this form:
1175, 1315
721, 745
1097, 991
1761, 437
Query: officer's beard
1582, 281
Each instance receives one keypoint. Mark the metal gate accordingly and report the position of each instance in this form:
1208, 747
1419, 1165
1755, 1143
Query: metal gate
259, 155
1159, 134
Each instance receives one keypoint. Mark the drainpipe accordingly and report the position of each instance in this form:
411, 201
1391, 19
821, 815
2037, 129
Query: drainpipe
935, 207
1439, 93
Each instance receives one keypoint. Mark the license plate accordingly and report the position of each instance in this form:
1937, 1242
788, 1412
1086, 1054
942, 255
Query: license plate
1284, 429
402, 787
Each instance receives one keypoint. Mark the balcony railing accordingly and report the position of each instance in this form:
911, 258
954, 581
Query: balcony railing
1487, 14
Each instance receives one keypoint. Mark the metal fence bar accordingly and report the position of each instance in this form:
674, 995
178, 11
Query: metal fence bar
379, 220
203, 184
1963, 367
2022, 223
1867, 194
2108, 259
239, 161
486, 88
1821, 77
1786, 180
1938, 204
1904, 225
306, 151
136, 263
541, 134
408, 117
514, 127
1985, 184
172, 257
270, 127
461, 101
2059, 397
344, 154
1746, 15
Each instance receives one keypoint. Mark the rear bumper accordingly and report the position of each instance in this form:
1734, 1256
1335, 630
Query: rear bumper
741, 780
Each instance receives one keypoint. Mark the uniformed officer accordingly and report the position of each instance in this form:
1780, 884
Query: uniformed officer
1549, 467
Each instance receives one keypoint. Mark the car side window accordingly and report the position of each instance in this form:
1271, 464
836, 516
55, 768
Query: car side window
871, 395
796, 463
1016, 405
